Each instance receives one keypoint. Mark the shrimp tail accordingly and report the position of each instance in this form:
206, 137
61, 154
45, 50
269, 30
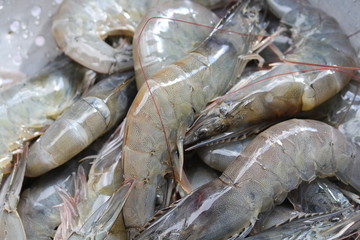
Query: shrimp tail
70, 212
101, 221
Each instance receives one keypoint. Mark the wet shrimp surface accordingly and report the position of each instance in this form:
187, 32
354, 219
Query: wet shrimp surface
181, 119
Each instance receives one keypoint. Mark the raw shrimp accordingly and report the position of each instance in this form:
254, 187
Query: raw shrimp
27, 107
101, 108
79, 27
171, 33
163, 109
273, 164
11, 226
317, 39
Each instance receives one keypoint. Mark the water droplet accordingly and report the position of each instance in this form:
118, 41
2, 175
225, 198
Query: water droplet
25, 35
37, 22
39, 41
58, 1
14, 26
1, 4
23, 26
35, 11
17, 59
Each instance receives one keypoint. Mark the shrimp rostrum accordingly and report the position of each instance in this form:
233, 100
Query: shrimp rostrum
158, 118
273, 164
290, 86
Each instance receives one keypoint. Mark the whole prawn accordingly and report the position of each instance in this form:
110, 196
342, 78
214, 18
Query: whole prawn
317, 39
27, 107
101, 108
163, 108
273, 164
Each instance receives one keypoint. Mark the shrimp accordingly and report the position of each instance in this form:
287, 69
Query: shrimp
317, 39
101, 108
27, 107
163, 108
273, 164
169, 35
80, 26
11, 226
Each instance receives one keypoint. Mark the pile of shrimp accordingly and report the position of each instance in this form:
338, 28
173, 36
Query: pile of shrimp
185, 120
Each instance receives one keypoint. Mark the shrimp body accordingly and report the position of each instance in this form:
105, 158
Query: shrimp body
273, 164
27, 107
80, 26
162, 41
90, 117
276, 94
178, 90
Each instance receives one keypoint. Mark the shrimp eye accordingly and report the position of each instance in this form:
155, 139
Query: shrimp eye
202, 133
